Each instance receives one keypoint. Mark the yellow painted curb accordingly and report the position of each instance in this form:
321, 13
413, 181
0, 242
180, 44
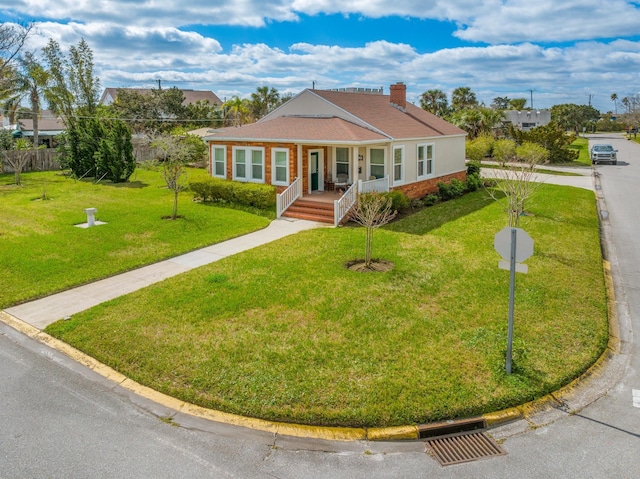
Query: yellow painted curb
393, 433
501, 417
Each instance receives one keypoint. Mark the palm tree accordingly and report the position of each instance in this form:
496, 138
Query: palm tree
236, 108
463, 97
434, 101
263, 101
614, 99
31, 81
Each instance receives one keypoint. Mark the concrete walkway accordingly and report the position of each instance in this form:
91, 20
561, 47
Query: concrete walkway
585, 180
44, 311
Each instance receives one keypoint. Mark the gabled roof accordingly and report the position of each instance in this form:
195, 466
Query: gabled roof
342, 116
48, 124
378, 111
299, 129
190, 96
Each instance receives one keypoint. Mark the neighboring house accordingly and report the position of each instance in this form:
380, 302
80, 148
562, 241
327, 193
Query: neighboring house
49, 126
190, 96
526, 119
321, 139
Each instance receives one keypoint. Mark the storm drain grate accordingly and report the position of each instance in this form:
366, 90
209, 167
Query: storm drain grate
463, 448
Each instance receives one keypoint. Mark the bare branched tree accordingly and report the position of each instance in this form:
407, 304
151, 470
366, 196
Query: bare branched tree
518, 180
372, 211
12, 39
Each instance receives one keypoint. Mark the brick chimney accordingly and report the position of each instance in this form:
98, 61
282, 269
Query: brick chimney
398, 95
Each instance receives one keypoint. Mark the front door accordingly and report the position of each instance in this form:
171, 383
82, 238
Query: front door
313, 166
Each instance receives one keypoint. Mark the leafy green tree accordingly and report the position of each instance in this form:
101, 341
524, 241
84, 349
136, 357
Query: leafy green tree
518, 103
504, 150
73, 89
114, 156
552, 138
574, 117
500, 103
463, 98
203, 114
175, 153
435, 101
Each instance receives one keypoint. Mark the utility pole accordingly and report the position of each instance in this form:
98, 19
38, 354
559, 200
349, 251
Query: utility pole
590, 96
159, 86
531, 91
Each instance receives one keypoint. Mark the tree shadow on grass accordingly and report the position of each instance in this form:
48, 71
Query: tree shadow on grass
426, 219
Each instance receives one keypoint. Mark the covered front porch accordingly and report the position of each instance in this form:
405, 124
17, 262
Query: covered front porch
327, 206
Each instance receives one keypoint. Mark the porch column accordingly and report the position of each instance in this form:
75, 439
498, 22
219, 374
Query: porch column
354, 164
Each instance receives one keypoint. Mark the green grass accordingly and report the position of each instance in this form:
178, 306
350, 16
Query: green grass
285, 332
582, 146
42, 252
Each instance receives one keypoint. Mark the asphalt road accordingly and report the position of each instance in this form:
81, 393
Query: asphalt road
58, 419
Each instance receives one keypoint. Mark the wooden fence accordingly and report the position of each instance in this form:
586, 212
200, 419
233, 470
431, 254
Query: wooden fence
47, 159
39, 160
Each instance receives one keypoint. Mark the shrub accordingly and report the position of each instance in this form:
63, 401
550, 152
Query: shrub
399, 201
430, 200
473, 182
252, 194
473, 168
249, 194
504, 150
448, 191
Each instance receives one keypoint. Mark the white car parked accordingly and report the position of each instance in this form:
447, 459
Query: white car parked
603, 153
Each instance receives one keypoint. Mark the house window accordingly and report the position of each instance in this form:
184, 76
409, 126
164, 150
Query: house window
219, 154
342, 161
425, 160
398, 164
280, 166
248, 164
376, 163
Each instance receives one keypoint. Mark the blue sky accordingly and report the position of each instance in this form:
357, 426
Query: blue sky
556, 52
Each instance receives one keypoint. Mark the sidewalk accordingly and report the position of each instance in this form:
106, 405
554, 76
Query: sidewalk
42, 312
584, 181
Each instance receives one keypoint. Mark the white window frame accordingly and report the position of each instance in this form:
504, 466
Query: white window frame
348, 162
274, 152
428, 161
224, 160
384, 162
398, 181
248, 166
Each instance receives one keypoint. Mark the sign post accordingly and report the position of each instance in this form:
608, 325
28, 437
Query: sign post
514, 245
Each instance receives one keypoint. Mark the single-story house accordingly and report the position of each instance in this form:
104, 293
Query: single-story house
190, 96
351, 139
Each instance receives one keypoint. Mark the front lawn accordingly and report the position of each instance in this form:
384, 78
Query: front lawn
285, 332
582, 146
41, 251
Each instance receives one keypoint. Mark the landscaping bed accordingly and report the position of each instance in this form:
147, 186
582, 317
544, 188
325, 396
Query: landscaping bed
287, 332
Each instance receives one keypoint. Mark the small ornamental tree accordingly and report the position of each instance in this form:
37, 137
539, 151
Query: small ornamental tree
372, 211
518, 181
175, 153
23, 150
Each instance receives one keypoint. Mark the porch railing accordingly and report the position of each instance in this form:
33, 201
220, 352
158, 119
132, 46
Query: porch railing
380, 185
342, 206
288, 196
